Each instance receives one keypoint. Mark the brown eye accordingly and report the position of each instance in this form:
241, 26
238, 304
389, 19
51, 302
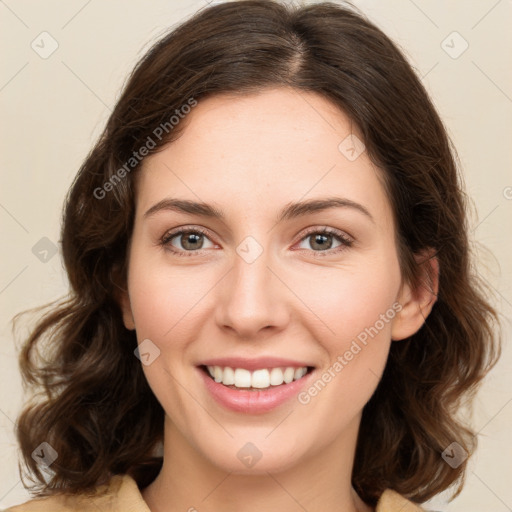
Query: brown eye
321, 241
191, 241
186, 241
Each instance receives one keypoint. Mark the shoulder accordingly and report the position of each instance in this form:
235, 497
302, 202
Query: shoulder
391, 501
122, 495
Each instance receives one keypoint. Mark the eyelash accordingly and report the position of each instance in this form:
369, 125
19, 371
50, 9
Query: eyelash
345, 240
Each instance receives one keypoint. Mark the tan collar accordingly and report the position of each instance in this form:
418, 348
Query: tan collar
124, 496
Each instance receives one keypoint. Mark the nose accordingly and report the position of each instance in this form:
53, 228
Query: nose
252, 299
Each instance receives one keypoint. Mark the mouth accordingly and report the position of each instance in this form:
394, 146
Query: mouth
257, 390
256, 380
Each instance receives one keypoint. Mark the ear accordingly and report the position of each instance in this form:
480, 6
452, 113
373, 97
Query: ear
417, 301
119, 282
126, 309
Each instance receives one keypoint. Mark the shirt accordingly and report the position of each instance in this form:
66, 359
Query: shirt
124, 496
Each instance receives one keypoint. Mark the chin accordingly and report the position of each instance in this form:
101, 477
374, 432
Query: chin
275, 462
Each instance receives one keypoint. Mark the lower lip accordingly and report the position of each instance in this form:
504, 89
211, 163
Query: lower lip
253, 402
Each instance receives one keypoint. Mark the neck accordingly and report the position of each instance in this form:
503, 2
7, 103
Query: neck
190, 482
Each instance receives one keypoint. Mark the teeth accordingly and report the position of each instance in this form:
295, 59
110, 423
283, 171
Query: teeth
260, 379
242, 377
276, 376
299, 373
228, 377
288, 375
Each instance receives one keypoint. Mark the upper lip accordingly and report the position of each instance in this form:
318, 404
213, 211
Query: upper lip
252, 364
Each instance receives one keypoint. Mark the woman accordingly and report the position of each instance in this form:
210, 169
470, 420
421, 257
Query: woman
271, 301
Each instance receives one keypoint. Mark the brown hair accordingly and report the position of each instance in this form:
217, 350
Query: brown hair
96, 408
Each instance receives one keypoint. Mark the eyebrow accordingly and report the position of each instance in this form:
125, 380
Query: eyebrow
290, 211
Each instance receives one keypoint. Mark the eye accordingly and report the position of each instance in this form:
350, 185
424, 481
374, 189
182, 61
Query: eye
186, 240
190, 241
322, 240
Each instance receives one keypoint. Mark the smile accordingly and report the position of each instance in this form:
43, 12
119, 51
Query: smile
254, 386
241, 378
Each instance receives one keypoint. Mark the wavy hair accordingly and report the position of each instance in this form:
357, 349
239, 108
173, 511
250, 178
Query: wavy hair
91, 400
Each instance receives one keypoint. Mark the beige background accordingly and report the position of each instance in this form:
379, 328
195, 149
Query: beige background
54, 108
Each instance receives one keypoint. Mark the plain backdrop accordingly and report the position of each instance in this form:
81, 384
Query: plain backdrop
63, 65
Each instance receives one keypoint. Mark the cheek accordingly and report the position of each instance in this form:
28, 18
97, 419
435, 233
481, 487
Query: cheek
163, 299
357, 309
350, 300
164, 304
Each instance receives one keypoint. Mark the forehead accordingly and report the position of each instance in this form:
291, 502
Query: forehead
262, 150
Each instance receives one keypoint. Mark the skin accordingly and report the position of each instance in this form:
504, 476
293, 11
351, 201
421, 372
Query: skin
250, 156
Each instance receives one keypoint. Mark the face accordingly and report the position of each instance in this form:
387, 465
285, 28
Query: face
260, 285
